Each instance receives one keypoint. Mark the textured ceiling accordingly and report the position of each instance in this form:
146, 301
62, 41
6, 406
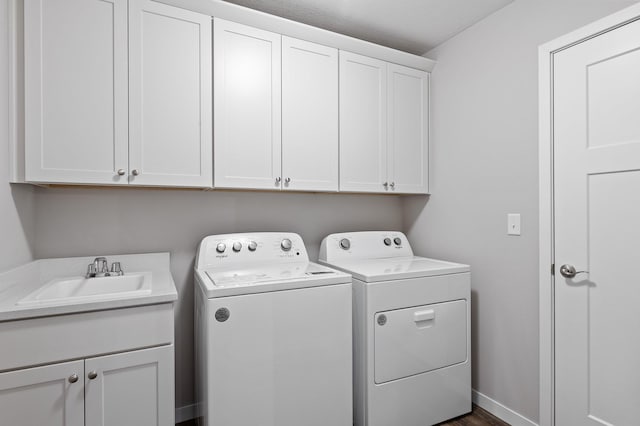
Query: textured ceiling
415, 26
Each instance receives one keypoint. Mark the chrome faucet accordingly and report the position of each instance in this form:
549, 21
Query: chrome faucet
100, 268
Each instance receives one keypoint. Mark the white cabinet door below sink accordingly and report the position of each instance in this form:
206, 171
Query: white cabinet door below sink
43, 396
131, 388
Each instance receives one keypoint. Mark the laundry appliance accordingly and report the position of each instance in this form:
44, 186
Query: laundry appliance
411, 319
273, 334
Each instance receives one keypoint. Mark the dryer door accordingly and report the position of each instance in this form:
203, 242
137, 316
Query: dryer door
420, 339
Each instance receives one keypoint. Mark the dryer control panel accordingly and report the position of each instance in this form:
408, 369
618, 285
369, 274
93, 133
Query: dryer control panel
364, 245
247, 248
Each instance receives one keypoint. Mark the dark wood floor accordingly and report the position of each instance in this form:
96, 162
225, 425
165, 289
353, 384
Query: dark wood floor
478, 417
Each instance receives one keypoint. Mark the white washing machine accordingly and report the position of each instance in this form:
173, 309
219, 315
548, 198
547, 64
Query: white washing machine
273, 334
412, 364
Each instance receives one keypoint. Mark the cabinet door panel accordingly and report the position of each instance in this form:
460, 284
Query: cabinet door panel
363, 123
309, 116
131, 389
43, 396
170, 96
408, 131
247, 108
76, 91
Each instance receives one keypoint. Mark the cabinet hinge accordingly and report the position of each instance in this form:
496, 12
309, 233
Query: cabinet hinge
553, 269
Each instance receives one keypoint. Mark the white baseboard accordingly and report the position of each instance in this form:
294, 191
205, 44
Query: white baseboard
504, 413
186, 412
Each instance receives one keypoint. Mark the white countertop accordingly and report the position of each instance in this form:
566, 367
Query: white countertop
19, 282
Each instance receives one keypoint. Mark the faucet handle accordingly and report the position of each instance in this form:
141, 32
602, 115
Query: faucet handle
91, 271
116, 269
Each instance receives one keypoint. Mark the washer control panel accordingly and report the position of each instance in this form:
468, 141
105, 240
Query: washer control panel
364, 245
258, 247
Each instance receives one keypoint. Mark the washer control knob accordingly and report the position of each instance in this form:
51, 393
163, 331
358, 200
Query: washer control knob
345, 244
397, 241
237, 246
221, 248
387, 241
252, 246
285, 244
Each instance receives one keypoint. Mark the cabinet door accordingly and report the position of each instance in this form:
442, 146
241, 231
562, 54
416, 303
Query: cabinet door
43, 396
408, 130
76, 91
170, 122
130, 389
363, 123
247, 134
309, 116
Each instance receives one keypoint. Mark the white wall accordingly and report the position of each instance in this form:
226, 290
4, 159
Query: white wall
484, 165
87, 222
16, 202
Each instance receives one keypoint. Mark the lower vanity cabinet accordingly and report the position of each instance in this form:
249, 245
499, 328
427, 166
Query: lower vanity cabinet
113, 367
130, 388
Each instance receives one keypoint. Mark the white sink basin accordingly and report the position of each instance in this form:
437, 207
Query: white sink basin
81, 289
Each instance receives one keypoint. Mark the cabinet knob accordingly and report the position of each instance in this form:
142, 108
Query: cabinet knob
121, 172
287, 180
393, 184
92, 375
135, 172
385, 184
278, 179
73, 378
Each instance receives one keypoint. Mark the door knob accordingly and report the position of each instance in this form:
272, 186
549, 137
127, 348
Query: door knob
569, 271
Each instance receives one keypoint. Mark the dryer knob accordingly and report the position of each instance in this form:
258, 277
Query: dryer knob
387, 241
221, 248
252, 246
345, 244
397, 240
285, 244
237, 246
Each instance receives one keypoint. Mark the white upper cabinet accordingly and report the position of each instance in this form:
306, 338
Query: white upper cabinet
76, 91
384, 126
101, 108
408, 131
363, 123
309, 116
247, 107
170, 132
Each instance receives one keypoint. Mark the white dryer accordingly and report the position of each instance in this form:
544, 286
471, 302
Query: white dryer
273, 334
412, 364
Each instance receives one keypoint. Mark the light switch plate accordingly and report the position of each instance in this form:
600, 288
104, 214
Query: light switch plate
513, 224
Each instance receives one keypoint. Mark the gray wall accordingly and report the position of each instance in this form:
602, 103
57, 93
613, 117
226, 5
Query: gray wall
484, 165
87, 222
16, 202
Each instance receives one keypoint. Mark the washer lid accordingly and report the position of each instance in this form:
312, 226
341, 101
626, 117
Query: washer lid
397, 268
265, 278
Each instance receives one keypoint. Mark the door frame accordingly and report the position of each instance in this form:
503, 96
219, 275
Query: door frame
546, 258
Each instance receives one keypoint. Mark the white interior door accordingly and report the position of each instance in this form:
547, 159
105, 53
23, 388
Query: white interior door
363, 123
309, 116
130, 388
597, 229
408, 130
247, 108
52, 395
170, 122
76, 91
